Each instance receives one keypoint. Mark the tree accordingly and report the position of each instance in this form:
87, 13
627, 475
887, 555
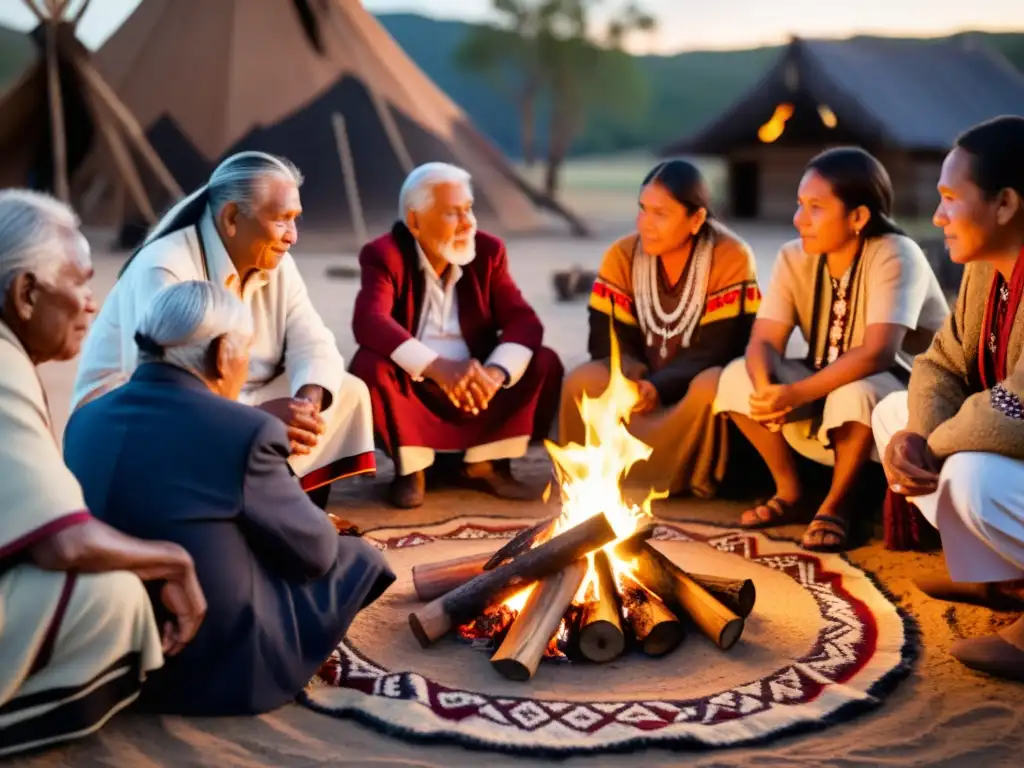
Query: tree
508, 56
547, 52
588, 71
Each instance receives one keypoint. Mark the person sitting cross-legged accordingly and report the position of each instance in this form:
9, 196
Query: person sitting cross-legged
448, 346
171, 455
954, 442
865, 299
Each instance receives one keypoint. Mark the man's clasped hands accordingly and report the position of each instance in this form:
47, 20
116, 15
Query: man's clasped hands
469, 385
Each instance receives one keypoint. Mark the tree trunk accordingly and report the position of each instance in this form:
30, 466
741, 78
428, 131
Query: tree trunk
528, 127
562, 133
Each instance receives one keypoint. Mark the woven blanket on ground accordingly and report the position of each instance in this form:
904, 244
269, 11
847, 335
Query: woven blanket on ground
823, 644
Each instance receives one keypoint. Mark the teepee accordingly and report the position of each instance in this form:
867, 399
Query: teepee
61, 122
318, 81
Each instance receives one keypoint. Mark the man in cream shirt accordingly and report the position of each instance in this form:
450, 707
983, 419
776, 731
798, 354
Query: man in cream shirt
236, 231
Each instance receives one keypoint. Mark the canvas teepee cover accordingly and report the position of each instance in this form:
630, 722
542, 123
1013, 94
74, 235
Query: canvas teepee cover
318, 81
60, 121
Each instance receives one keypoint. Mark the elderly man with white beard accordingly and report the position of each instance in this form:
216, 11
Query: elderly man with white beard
448, 347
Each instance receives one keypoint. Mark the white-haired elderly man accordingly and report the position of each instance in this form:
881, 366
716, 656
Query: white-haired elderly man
282, 585
449, 347
77, 631
236, 231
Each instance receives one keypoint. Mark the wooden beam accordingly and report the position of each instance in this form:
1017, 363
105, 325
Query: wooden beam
122, 115
348, 169
35, 11
81, 11
121, 155
58, 138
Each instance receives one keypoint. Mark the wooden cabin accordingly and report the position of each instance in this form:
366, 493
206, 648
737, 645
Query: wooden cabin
905, 101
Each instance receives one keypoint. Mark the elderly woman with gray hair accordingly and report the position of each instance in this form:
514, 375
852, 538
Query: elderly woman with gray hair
236, 232
77, 632
170, 455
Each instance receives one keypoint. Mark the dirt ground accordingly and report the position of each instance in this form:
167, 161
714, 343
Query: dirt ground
942, 715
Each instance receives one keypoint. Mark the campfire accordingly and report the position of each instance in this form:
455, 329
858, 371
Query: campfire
586, 585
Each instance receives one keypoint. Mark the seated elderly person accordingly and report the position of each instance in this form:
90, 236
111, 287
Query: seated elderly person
281, 584
77, 632
449, 347
954, 443
236, 232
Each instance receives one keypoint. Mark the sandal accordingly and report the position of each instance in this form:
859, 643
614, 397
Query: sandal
780, 512
827, 525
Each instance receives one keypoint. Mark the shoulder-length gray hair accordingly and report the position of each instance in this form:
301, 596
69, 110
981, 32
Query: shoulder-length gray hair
185, 318
37, 233
238, 179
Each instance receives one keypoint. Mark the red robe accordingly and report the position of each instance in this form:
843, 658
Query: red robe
491, 310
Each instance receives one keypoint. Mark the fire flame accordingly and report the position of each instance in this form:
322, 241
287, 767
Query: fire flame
590, 475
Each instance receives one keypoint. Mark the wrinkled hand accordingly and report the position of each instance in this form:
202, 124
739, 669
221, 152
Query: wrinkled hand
648, 397
481, 387
771, 404
453, 377
184, 598
910, 466
303, 419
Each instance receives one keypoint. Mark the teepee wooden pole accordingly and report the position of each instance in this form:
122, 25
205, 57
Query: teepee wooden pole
81, 10
35, 11
57, 135
123, 116
348, 168
119, 152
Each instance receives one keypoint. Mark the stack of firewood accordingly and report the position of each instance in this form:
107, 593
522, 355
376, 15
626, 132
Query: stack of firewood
647, 603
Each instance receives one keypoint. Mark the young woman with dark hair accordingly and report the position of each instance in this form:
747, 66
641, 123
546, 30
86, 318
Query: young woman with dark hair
864, 298
959, 451
682, 291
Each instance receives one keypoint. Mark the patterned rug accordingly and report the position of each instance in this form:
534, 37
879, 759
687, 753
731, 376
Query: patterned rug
823, 644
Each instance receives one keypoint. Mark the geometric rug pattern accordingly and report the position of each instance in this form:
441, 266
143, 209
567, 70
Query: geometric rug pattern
858, 646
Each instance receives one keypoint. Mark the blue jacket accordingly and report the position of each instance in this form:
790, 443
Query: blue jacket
162, 457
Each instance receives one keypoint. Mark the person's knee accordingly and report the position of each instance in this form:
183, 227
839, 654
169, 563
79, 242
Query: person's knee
854, 402
889, 415
971, 479
589, 379
705, 385
549, 365
734, 387
114, 603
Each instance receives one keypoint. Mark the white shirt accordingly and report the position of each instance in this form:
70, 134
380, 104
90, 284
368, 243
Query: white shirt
440, 335
288, 335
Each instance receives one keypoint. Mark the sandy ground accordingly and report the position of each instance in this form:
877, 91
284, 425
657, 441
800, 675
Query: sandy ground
942, 716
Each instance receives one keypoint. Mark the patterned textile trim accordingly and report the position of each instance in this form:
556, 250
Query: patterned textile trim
80, 710
603, 296
1007, 403
348, 466
865, 646
726, 304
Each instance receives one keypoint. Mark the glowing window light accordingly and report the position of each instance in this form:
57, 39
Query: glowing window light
828, 117
771, 130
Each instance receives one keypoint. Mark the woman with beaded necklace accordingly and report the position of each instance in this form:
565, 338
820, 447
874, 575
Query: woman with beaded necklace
682, 292
865, 300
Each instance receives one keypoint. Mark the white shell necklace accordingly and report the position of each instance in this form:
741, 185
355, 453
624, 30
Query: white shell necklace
683, 320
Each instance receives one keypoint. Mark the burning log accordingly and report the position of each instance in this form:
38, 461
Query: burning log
532, 631
601, 638
738, 595
489, 628
682, 593
432, 580
522, 542
655, 627
437, 617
